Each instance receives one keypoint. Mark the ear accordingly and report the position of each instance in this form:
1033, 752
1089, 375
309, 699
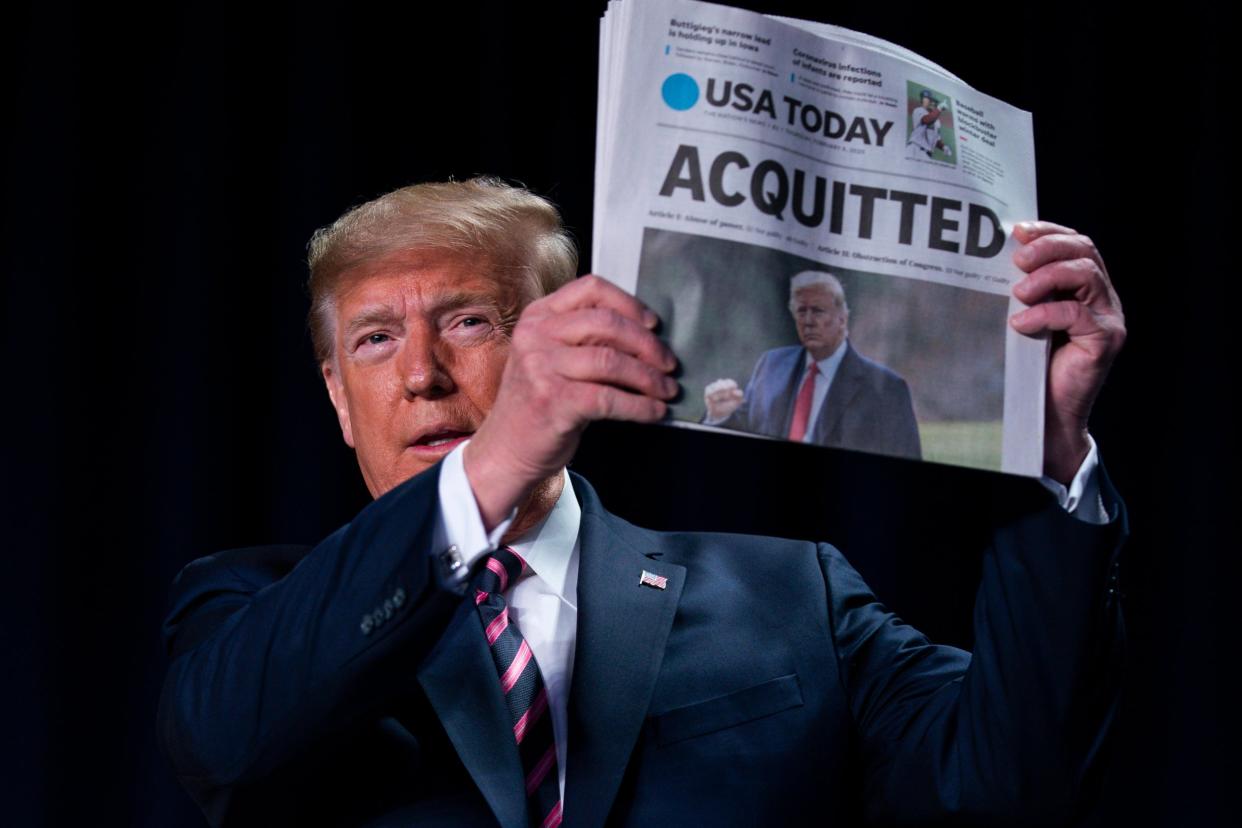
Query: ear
340, 401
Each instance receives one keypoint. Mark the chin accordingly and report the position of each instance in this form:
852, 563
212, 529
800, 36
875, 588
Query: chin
382, 485
410, 470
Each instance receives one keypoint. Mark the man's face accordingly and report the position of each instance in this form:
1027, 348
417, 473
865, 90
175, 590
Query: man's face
420, 345
820, 322
928, 103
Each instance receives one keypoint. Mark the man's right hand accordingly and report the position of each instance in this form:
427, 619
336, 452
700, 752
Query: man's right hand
583, 353
722, 398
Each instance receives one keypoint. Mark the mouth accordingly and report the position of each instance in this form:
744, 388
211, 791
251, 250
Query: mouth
439, 440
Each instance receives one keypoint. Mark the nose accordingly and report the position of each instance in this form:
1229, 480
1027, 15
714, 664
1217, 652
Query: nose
421, 364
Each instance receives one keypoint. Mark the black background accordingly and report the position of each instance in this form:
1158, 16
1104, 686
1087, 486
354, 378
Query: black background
164, 167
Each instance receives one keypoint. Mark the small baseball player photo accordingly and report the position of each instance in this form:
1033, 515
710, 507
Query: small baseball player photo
931, 125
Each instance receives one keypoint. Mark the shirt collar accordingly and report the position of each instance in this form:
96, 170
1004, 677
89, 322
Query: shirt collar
550, 546
828, 365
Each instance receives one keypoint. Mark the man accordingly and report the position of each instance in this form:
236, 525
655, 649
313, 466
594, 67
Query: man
823, 392
485, 644
925, 126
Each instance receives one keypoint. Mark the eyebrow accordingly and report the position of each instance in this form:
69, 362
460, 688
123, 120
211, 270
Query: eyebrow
383, 315
388, 315
462, 298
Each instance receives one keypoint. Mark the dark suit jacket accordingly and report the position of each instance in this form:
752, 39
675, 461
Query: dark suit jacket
868, 407
765, 684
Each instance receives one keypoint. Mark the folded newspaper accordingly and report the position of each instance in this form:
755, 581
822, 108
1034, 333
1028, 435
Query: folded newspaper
823, 221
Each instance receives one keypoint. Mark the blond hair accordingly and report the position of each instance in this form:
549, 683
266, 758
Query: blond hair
518, 233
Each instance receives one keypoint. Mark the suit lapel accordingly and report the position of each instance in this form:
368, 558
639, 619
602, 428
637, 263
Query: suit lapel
791, 370
841, 393
460, 680
622, 630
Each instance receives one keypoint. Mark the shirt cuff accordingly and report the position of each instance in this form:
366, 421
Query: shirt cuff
1082, 497
460, 538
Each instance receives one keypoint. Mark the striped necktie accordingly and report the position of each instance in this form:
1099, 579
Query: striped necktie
522, 685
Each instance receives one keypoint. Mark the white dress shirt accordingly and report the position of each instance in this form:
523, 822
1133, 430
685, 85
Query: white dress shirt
544, 605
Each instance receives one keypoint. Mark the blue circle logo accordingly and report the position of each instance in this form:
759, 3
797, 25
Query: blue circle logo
680, 91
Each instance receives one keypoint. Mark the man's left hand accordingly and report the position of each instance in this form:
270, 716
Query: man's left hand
1068, 287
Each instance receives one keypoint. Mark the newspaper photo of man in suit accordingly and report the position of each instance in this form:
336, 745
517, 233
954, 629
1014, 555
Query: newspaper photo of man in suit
823, 391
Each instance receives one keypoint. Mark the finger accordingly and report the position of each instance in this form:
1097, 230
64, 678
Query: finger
603, 402
1082, 278
593, 291
611, 367
1027, 231
1074, 318
1055, 247
605, 326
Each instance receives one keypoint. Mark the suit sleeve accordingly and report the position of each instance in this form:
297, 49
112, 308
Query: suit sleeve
902, 427
740, 419
265, 659
1012, 734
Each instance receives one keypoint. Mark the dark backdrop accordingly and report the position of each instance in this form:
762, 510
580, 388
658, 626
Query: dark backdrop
164, 167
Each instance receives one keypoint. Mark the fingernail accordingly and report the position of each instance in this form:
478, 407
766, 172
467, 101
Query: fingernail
650, 319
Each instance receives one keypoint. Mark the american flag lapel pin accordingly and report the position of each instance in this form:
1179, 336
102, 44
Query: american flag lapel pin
652, 580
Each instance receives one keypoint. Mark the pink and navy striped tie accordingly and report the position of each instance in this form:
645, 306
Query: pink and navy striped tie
523, 687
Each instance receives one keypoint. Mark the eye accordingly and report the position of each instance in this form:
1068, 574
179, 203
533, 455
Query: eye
473, 323
468, 326
377, 339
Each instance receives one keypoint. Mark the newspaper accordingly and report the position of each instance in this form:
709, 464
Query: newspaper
823, 221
